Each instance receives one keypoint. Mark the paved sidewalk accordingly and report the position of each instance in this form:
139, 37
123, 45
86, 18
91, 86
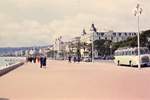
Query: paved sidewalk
80, 81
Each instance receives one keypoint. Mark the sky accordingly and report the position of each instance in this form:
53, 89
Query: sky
40, 22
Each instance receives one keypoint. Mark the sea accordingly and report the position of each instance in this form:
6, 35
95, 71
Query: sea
7, 61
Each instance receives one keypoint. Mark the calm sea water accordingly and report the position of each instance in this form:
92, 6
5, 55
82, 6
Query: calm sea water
6, 61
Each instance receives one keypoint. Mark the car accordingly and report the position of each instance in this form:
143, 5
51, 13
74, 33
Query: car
87, 59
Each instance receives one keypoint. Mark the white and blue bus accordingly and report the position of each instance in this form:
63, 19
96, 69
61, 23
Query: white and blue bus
129, 56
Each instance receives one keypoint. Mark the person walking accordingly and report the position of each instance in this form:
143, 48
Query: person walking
34, 59
69, 58
78, 59
44, 61
41, 61
74, 59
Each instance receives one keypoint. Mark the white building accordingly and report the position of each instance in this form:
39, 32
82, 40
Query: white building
60, 48
93, 34
113, 36
74, 44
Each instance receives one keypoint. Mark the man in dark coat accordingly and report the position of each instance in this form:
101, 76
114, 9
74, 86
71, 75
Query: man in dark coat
69, 58
44, 61
41, 61
74, 59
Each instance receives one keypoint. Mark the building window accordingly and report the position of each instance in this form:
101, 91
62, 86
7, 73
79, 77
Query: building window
125, 34
105, 38
97, 33
119, 34
130, 34
99, 38
102, 34
134, 33
117, 39
111, 38
114, 34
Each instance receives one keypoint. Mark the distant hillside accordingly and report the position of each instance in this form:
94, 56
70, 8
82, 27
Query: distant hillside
13, 49
6, 50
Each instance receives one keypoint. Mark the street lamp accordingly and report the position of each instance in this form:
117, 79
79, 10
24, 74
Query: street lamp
93, 30
55, 49
93, 47
138, 12
110, 49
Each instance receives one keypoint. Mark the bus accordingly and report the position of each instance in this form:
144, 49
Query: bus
129, 56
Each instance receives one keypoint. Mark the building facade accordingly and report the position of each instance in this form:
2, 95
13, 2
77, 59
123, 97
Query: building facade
93, 34
114, 36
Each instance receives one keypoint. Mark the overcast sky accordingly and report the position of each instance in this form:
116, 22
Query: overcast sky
39, 22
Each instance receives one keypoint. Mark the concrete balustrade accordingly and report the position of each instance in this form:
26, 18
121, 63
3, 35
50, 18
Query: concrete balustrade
7, 69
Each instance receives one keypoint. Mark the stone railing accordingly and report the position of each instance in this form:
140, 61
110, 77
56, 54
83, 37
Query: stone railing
9, 68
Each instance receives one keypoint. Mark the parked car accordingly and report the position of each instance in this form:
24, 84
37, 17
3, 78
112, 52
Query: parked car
87, 59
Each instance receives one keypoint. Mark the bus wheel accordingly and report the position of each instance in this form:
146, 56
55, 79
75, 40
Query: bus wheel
118, 63
130, 63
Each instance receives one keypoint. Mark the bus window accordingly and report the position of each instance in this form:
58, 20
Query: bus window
123, 53
146, 51
126, 52
116, 53
129, 52
132, 52
136, 52
120, 53
141, 51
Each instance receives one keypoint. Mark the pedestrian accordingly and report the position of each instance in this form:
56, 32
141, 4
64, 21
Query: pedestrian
38, 59
74, 59
78, 59
69, 58
41, 61
27, 59
44, 61
34, 59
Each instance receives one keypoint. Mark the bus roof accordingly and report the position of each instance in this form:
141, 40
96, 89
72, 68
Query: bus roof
129, 49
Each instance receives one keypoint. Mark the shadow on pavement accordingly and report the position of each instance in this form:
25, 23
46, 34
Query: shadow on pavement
142, 66
4, 99
145, 66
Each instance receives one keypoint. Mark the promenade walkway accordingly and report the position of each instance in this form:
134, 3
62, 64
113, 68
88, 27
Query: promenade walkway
68, 81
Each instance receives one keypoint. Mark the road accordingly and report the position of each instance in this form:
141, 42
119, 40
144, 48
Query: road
76, 81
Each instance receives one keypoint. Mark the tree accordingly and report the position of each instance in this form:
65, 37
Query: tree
102, 46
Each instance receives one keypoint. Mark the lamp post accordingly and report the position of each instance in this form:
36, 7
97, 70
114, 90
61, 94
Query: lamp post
110, 49
55, 49
93, 47
93, 30
138, 12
